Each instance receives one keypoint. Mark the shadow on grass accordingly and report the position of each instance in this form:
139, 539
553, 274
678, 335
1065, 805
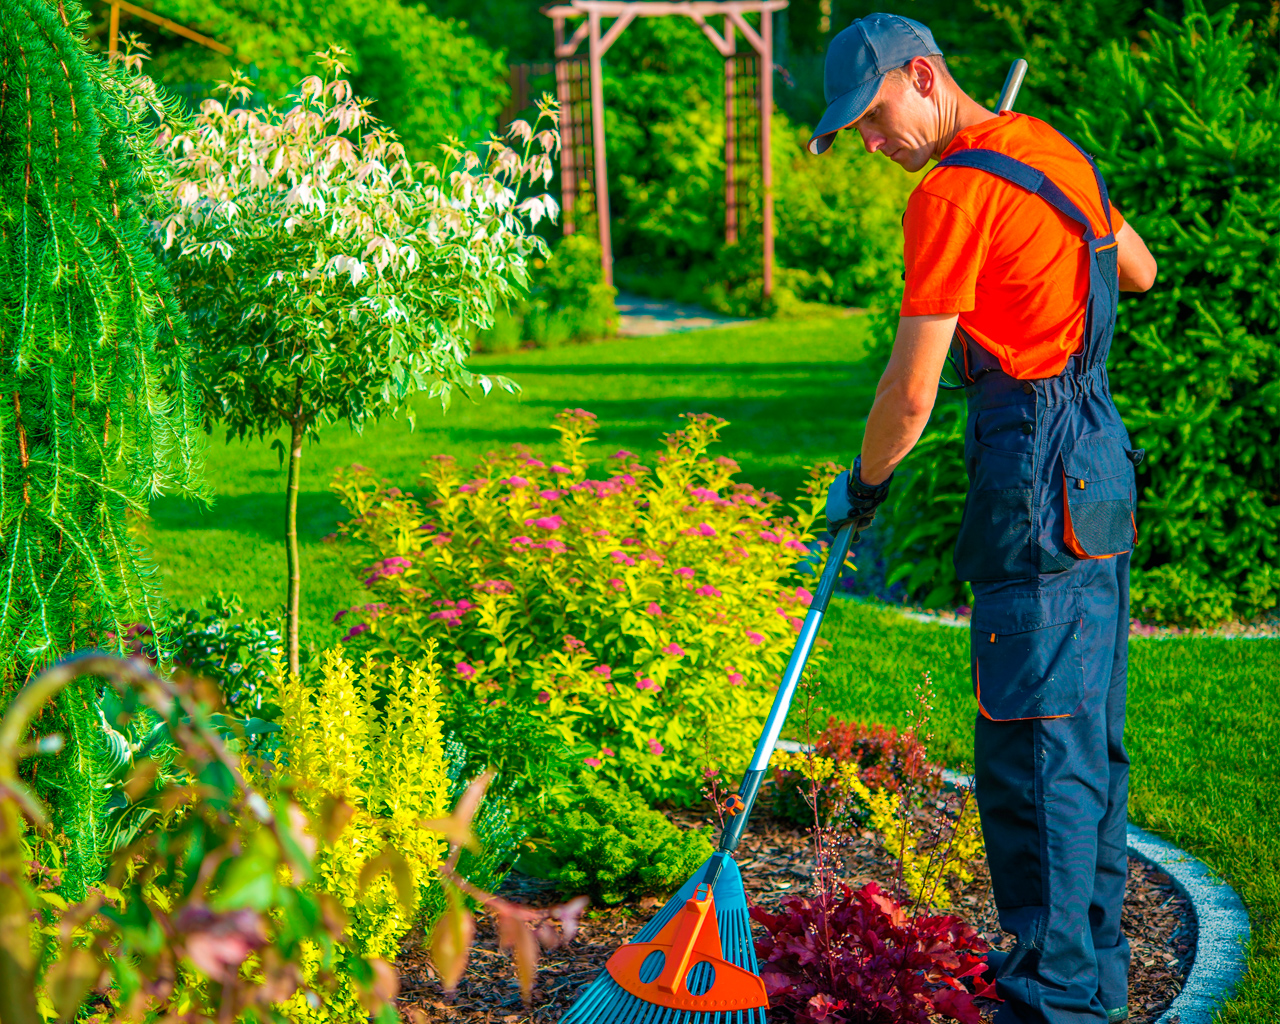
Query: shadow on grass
259, 514
664, 369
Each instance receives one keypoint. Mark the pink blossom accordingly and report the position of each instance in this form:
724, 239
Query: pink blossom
647, 684
572, 643
542, 697
674, 649
521, 541
795, 545
355, 631
654, 609
337, 617
656, 748
554, 546
551, 495
622, 558
707, 590
735, 678
465, 670
707, 530
609, 688
471, 486
493, 587
622, 453
440, 458
630, 542
755, 638
652, 556
686, 572
374, 609
617, 584
626, 479
359, 468
608, 753
770, 536
532, 463
600, 533
604, 671
441, 539
516, 481
562, 470
703, 494
803, 596
595, 762
546, 523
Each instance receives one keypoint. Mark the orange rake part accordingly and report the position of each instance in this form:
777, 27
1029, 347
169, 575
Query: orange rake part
683, 966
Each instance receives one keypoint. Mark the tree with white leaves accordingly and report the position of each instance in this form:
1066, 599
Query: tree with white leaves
325, 277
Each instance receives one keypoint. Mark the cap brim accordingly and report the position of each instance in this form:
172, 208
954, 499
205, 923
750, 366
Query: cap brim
842, 112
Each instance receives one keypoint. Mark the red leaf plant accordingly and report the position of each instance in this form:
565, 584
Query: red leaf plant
860, 958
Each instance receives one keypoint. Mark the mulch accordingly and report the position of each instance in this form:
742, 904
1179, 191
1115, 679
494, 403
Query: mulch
775, 859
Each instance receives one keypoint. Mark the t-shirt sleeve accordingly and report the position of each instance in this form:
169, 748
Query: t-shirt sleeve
944, 254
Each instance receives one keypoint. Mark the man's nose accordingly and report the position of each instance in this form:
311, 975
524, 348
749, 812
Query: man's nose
872, 140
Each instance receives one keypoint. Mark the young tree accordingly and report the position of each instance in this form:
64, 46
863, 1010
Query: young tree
328, 279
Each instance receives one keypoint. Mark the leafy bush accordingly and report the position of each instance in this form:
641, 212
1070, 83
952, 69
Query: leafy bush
861, 958
238, 653
631, 614
367, 740
568, 301
1190, 150
883, 758
606, 841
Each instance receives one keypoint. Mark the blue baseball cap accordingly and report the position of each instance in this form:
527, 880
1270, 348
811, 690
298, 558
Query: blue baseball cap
857, 61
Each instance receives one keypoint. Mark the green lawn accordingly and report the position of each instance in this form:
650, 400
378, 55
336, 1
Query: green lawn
794, 393
1203, 732
1203, 728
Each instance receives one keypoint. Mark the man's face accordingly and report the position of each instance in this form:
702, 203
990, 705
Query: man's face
902, 121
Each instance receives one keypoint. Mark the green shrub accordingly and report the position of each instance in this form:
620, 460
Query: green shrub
568, 301
235, 651
630, 614
606, 841
1190, 152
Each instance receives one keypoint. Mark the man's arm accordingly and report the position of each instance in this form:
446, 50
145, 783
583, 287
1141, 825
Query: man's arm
1137, 265
906, 393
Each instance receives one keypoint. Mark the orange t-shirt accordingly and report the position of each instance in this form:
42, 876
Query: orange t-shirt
1013, 267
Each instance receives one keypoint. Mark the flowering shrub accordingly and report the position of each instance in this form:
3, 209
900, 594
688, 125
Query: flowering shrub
861, 958
637, 615
885, 759
608, 842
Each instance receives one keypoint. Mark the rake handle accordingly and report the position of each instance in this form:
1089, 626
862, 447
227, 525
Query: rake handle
759, 766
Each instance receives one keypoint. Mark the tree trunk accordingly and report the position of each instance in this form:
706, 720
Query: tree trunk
294, 603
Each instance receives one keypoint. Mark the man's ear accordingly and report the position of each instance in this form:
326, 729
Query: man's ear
923, 76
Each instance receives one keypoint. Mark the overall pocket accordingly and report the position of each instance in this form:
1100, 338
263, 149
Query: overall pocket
1026, 654
1099, 486
994, 541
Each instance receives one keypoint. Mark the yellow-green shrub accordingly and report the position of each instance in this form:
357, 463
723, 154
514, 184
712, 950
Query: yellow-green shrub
638, 616
368, 735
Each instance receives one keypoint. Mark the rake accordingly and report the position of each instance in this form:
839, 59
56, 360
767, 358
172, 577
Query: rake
695, 962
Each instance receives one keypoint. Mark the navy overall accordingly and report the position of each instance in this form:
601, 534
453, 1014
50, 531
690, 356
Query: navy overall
1045, 540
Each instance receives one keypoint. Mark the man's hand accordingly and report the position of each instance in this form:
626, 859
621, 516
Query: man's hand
906, 393
849, 500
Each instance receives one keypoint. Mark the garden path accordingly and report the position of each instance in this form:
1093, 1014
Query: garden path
644, 317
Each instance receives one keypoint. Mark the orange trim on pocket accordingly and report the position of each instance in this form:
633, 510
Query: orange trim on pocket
977, 692
1106, 247
1069, 539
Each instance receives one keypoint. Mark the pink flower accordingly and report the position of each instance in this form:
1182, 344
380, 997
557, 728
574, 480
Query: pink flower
795, 545
595, 762
542, 697
674, 649
653, 609
572, 643
520, 542
533, 463
546, 523
554, 546
609, 688
652, 556
622, 558
617, 584
355, 631
493, 587
703, 494
630, 542
647, 684
516, 481
622, 453
656, 748
686, 572
755, 638
608, 753
600, 533
441, 539
465, 670
707, 530
359, 468
338, 615
562, 470
803, 596
471, 486
735, 678
604, 671
551, 495
626, 479
707, 590
770, 536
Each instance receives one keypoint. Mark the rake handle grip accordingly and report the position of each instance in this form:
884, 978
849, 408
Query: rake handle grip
759, 766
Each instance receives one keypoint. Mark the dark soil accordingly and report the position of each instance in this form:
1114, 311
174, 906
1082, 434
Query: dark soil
775, 859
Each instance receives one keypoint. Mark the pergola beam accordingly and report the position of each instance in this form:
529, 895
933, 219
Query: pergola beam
624, 12
122, 5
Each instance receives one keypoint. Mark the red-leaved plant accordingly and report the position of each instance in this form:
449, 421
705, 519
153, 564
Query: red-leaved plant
861, 958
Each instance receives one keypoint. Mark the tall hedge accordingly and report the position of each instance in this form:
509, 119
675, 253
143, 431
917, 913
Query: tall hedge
1190, 152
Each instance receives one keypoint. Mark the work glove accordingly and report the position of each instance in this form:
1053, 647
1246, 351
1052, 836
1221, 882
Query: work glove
851, 501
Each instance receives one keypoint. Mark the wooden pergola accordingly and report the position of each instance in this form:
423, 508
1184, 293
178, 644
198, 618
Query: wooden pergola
117, 6
623, 12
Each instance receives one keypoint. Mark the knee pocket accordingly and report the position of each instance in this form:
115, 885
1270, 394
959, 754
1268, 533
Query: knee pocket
1027, 655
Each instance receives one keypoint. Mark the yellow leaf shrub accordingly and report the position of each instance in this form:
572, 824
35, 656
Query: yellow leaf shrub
367, 734
636, 616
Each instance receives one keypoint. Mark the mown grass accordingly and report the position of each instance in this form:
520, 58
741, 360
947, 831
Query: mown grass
794, 393
1203, 732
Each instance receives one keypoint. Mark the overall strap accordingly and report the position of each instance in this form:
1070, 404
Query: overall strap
1027, 177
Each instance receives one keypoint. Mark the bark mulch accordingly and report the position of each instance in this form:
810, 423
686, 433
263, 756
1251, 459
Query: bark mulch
776, 859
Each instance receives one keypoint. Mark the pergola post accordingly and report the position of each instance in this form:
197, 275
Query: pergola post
597, 146
730, 138
568, 186
766, 147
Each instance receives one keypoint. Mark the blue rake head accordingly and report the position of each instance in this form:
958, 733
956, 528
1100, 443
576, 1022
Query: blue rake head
694, 958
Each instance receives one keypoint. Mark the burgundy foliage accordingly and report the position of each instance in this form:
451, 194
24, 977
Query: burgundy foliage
860, 958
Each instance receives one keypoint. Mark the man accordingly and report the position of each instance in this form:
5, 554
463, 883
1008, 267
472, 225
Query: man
1014, 256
